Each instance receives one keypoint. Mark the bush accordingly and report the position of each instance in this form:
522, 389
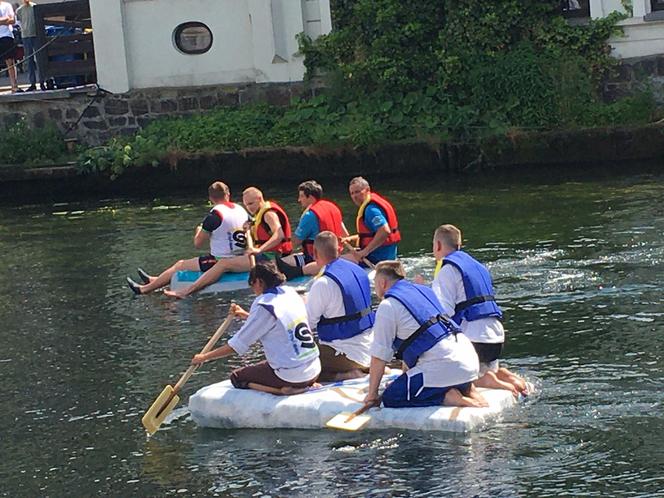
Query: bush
21, 144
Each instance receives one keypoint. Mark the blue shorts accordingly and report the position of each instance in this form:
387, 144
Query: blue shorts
409, 392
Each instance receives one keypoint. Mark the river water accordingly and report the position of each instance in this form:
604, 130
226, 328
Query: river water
579, 270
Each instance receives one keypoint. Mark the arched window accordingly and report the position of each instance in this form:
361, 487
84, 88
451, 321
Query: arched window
192, 38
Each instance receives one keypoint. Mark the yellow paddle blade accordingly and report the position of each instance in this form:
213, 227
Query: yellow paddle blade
348, 421
161, 407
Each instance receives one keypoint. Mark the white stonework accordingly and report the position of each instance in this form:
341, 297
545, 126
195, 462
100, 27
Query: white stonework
253, 41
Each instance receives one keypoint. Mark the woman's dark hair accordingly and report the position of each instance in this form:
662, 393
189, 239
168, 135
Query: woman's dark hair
268, 273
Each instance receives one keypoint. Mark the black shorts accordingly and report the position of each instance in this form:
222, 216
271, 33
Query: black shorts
206, 262
7, 48
488, 352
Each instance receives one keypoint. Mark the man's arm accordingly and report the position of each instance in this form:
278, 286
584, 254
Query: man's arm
8, 19
201, 238
277, 236
376, 371
444, 286
381, 236
221, 352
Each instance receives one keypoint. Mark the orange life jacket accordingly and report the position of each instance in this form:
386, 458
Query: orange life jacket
366, 236
329, 218
261, 231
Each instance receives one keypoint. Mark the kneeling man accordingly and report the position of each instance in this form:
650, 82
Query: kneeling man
442, 363
339, 306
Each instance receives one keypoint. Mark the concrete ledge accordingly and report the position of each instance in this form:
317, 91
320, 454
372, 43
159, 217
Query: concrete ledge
605, 148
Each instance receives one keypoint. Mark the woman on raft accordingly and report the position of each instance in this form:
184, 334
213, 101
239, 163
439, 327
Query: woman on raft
278, 319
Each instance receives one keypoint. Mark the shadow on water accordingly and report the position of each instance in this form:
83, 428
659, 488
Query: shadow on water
578, 265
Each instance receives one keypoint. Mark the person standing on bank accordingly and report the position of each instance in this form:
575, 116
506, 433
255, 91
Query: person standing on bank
7, 42
319, 215
26, 16
339, 307
278, 320
223, 229
441, 361
464, 288
377, 224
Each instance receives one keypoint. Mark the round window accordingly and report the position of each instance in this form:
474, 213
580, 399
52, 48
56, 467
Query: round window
193, 38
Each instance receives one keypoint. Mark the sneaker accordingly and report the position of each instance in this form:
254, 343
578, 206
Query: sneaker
134, 286
144, 276
42, 86
31, 88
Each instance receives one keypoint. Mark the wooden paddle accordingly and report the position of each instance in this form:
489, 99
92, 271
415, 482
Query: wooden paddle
352, 421
250, 245
364, 260
168, 399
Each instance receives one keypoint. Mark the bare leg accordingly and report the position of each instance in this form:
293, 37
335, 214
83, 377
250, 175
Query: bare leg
234, 265
491, 381
165, 277
311, 268
11, 71
453, 397
506, 376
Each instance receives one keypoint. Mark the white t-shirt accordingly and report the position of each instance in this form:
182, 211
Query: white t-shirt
288, 356
6, 9
325, 300
449, 362
229, 240
448, 287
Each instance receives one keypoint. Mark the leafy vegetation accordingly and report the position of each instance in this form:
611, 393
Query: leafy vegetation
23, 145
434, 70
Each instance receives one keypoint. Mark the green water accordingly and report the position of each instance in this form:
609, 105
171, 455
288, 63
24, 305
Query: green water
579, 267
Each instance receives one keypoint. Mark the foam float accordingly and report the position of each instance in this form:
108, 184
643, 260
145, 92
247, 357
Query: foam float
222, 406
228, 281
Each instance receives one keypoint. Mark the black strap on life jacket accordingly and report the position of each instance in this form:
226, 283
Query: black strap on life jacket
345, 318
423, 328
476, 300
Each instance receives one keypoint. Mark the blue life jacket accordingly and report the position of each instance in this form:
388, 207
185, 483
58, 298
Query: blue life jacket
480, 301
356, 292
423, 305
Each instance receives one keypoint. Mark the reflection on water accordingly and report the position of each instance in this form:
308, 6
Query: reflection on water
579, 269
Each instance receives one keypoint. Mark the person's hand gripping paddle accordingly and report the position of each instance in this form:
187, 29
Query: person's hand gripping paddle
168, 399
352, 421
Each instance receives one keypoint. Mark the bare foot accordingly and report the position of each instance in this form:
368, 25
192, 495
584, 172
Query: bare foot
175, 294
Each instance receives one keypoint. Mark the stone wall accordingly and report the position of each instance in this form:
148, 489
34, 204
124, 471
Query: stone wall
93, 116
634, 74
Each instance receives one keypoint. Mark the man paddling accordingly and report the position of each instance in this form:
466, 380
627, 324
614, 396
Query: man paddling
377, 224
442, 363
278, 320
339, 307
319, 215
223, 230
464, 288
270, 229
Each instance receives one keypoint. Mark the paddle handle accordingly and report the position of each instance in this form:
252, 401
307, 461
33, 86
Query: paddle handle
210, 344
250, 245
364, 260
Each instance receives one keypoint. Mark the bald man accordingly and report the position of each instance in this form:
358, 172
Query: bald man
270, 229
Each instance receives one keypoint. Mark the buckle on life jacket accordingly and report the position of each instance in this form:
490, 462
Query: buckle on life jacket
345, 318
470, 302
423, 328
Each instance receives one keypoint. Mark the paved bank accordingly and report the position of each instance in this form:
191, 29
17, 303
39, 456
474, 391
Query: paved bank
605, 148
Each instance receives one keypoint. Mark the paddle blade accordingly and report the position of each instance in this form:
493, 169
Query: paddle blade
347, 421
160, 409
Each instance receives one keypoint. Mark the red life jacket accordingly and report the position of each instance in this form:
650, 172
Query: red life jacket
366, 236
261, 231
329, 218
